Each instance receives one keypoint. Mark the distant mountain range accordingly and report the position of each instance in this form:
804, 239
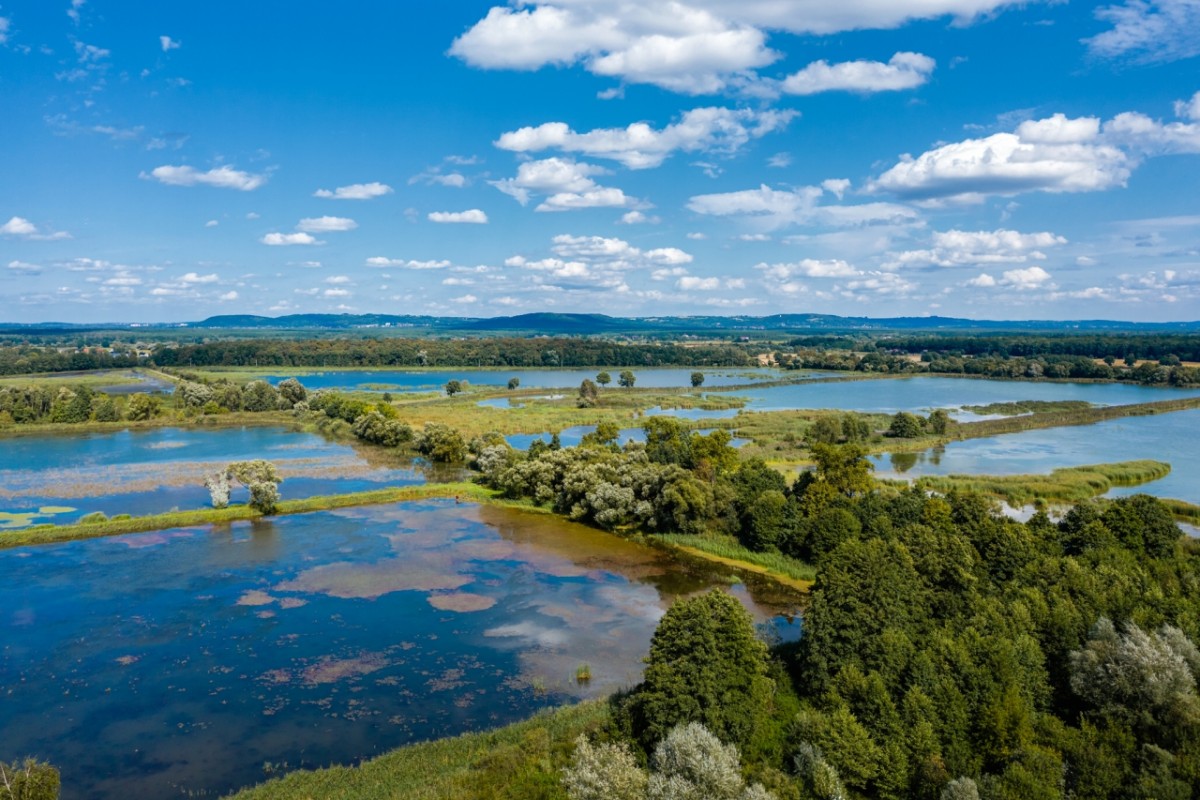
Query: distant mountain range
594, 324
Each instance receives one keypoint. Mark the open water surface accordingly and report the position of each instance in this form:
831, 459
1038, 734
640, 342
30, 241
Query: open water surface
189, 662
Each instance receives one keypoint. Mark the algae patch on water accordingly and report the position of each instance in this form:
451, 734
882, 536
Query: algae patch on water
461, 601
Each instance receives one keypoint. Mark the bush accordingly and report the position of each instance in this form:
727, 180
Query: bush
31, 780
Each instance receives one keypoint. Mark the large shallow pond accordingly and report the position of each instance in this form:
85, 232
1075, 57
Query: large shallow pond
435, 379
924, 393
151, 471
1161, 437
192, 661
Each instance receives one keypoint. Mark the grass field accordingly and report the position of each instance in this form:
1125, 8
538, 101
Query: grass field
515, 762
1061, 486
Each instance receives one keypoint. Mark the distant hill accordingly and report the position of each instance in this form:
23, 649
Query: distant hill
559, 324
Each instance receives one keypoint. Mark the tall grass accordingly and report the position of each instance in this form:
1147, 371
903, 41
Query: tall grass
727, 550
1064, 485
522, 760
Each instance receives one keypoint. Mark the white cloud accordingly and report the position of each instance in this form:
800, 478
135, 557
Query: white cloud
836, 186
668, 255
639, 146
955, 248
336, 293
18, 226
600, 197
1056, 154
637, 218
338, 279
809, 268
283, 239
471, 216
754, 237
697, 236
5, 24
689, 46
221, 177
780, 160
778, 208
1189, 109
228, 296
1149, 31
902, 71
1145, 136
168, 43
549, 176
193, 278
23, 228
1026, 278
983, 281
73, 11
466, 299
355, 191
692, 283
24, 267
380, 261
212, 223
326, 224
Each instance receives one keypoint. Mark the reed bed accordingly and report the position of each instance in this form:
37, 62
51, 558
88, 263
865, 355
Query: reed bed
1064, 485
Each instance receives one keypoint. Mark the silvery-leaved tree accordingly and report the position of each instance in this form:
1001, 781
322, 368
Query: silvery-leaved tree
259, 476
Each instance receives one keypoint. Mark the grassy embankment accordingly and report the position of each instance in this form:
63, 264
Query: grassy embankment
728, 551
1061, 486
48, 534
517, 761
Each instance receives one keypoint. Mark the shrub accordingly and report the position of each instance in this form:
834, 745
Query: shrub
31, 780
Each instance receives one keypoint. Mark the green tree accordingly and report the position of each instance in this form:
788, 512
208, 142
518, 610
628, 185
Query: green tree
905, 426
513, 383
697, 379
589, 394
30, 780
292, 391
441, 443
844, 468
603, 378
826, 430
259, 396
939, 420
705, 665
262, 479
453, 387
626, 379
143, 407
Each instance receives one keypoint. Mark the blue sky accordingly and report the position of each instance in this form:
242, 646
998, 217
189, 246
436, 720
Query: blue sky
976, 158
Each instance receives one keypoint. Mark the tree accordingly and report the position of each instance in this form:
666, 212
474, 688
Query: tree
259, 396
626, 379
705, 665
589, 394
697, 379
142, 407
453, 387
441, 443
905, 426
292, 391
605, 771
513, 383
939, 420
31, 780
826, 430
844, 468
260, 477
692, 764
603, 378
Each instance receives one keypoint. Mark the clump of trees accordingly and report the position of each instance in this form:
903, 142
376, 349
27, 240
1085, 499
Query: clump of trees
260, 477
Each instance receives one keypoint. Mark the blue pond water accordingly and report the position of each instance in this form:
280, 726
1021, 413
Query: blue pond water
183, 661
151, 471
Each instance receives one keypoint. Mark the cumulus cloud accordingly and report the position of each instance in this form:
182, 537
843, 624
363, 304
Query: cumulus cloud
637, 218
955, 248
1189, 109
22, 228
168, 44
1144, 136
687, 46
472, 216
355, 191
600, 197
1148, 31
337, 293
809, 268
1026, 278
902, 71
1056, 154
639, 146
24, 268
549, 176
381, 261
284, 239
982, 281
326, 224
224, 177
778, 208
691, 283
589, 263
228, 296
192, 278
5, 25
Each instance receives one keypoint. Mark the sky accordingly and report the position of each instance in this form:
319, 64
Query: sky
975, 158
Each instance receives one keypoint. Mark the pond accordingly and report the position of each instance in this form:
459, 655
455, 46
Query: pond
925, 393
194, 661
61, 477
436, 379
1161, 437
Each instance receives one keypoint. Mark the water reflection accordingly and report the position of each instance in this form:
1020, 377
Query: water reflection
181, 661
